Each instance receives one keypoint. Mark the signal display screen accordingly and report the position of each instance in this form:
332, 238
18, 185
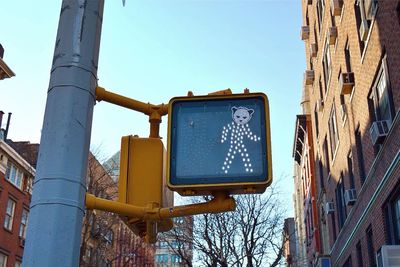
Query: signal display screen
218, 141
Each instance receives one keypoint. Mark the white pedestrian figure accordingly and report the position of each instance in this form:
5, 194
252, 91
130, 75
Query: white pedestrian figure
239, 129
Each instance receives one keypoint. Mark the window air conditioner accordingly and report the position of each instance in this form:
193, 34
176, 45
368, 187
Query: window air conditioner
346, 83
350, 197
22, 241
378, 131
364, 30
332, 35
313, 49
388, 256
305, 32
329, 208
309, 77
336, 7
320, 104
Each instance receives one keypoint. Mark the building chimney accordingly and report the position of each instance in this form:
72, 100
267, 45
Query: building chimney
1, 118
7, 126
1, 51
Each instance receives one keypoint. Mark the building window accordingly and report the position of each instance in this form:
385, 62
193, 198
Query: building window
357, 12
3, 260
379, 96
333, 131
398, 12
347, 56
161, 258
333, 222
176, 244
327, 65
365, 11
24, 223
8, 221
340, 203
348, 262
350, 169
176, 258
322, 92
18, 264
109, 236
392, 216
369, 8
316, 121
326, 156
359, 255
89, 252
163, 244
360, 155
371, 250
320, 13
14, 175
178, 220
321, 174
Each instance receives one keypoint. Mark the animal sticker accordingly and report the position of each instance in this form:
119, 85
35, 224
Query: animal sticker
236, 132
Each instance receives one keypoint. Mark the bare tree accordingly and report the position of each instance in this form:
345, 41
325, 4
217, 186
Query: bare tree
250, 236
104, 237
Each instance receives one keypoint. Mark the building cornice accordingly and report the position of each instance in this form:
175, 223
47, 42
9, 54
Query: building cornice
5, 71
17, 157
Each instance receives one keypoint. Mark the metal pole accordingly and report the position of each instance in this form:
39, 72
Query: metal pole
57, 206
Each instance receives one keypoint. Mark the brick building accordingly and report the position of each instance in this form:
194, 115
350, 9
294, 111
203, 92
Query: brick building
174, 248
289, 247
171, 248
16, 176
306, 200
106, 240
353, 86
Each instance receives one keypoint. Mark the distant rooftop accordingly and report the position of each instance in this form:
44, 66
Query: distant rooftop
112, 165
27, 150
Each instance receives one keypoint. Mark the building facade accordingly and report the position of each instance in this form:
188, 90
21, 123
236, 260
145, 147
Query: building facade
16, 176
289, 247
352, 84
174, 248
106, 240
306, 201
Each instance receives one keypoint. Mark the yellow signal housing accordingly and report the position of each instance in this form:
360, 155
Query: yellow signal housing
142, 181
219, 143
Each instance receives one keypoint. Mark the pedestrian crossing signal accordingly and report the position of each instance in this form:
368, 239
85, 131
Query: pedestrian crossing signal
219, 143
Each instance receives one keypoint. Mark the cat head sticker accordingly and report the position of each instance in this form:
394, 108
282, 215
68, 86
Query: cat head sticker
242, 115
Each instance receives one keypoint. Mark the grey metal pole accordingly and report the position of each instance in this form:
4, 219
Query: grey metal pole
57, 206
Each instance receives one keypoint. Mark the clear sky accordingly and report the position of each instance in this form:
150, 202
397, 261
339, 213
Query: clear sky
153, 50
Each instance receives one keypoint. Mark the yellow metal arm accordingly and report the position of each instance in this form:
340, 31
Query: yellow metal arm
146, 108
155, 112
220, 203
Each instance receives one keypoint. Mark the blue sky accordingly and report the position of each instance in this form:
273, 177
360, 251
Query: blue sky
156, 49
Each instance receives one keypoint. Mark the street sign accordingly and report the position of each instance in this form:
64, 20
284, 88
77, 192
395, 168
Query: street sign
219, 143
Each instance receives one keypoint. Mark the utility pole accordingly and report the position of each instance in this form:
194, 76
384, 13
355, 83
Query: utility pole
57, 207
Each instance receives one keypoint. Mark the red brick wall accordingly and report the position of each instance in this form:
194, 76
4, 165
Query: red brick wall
383, 40
10, 241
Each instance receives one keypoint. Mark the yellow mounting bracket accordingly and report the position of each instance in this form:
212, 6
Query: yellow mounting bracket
155, 112
220, 203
